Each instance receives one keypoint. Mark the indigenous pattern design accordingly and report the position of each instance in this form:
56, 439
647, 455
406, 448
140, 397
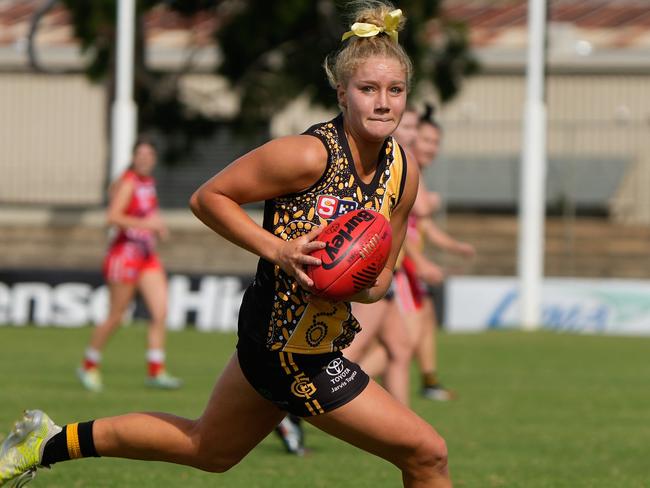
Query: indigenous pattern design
320, 326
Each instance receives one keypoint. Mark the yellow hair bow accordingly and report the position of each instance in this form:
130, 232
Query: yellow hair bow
362, 29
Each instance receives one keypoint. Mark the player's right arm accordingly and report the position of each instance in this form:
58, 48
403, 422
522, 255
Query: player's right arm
279, 167
425, 269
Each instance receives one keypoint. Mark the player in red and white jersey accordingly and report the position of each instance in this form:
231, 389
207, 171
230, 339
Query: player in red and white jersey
132, 265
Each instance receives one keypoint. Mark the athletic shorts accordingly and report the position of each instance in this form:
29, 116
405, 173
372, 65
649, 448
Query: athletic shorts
408, 289
301, 384
125, 262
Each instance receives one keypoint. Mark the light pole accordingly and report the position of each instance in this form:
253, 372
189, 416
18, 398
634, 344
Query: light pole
533, 172
124, 110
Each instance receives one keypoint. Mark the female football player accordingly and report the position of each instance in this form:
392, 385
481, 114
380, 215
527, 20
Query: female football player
288, 357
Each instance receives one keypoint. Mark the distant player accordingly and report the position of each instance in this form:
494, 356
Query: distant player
288, 355
131, 265
384, 347
422, 274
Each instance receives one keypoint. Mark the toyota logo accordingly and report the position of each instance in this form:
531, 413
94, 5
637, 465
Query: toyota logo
335, 367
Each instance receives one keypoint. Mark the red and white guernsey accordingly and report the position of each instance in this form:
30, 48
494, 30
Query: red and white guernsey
143, 203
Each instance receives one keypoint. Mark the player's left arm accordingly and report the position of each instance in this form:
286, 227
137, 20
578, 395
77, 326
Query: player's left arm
444, 241
427, 203
398, 220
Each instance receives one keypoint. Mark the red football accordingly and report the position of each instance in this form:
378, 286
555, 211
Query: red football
358, 245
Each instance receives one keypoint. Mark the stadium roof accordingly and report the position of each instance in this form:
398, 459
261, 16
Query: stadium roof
581, 32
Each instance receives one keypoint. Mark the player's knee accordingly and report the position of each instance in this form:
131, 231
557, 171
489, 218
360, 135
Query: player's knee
218, 464
210, 456
216, 461
158, 320
428, 457
112, 323
399, 352
432, 454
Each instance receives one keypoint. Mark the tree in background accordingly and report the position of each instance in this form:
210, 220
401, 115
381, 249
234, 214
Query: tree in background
271, 53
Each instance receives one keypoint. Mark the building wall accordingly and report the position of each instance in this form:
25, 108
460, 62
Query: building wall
598, 118
591, 100
52, 140
53, 144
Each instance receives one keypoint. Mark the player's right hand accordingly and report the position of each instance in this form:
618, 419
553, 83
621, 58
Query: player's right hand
294, 255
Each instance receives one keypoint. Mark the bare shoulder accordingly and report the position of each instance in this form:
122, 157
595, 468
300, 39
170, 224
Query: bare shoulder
300, 159
303, 149
121, 187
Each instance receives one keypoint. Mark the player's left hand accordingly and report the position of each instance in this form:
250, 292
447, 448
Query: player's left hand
466, 250
430, 273
163, 233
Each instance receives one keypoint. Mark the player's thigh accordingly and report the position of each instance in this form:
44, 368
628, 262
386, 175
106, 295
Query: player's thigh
370, 317
236, 417
121, 295
152, 284
396, 335
415, 321
377, 423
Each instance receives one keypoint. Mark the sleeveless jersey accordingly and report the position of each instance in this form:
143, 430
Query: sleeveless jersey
274, 310
143, 203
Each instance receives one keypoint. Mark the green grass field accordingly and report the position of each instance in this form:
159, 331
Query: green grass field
534, 410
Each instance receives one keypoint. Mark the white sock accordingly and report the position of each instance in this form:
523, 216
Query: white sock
156, 356
93, 355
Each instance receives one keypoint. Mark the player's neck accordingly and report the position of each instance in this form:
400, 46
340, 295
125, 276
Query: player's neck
365, 154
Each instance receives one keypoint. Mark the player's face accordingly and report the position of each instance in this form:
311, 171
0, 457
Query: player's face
427, 144
407, 130
144, 159
374, 98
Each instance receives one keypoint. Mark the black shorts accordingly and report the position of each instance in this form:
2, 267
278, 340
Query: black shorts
301, 384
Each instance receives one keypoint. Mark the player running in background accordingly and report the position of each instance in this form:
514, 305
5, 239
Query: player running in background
404, 327
290, 342
292, 434
384, 347
132, 264
422, 273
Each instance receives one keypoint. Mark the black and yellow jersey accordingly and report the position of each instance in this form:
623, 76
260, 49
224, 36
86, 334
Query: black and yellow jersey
274, 310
